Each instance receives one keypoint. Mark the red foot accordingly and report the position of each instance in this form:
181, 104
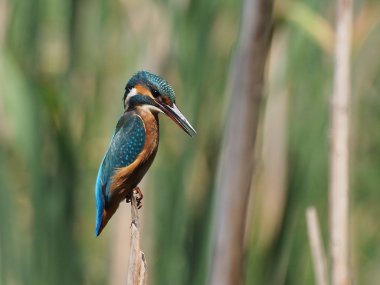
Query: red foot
139, 197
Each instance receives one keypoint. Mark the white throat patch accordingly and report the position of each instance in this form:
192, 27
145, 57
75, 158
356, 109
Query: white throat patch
151, 108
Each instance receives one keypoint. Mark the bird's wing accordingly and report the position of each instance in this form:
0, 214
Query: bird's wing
127, 142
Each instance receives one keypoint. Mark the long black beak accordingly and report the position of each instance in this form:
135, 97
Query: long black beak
175, 114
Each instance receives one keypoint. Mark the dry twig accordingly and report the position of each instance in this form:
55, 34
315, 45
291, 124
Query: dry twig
137, 269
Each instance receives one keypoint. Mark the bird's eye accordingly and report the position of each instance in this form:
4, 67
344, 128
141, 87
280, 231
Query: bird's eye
155, 93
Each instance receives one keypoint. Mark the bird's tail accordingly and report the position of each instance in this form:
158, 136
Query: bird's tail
102, 218
99, 221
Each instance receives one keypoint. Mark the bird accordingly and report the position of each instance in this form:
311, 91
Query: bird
134, 143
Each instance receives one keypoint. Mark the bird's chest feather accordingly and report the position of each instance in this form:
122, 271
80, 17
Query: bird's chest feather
126, 178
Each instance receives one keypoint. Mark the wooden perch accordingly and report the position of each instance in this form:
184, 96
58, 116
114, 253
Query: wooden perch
137, 269
317, 252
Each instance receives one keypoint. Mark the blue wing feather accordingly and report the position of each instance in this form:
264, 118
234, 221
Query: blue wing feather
126, 144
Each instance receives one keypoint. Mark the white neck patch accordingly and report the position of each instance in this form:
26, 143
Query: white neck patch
131, 93
145, 107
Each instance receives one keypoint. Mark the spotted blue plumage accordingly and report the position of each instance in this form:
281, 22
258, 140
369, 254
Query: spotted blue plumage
126, 144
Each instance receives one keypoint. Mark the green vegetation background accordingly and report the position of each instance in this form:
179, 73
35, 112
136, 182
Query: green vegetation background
63, 67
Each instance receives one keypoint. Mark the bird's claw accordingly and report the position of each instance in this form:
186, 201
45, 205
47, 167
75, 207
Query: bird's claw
139, 197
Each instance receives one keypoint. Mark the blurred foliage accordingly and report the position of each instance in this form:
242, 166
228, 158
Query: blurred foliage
63, 66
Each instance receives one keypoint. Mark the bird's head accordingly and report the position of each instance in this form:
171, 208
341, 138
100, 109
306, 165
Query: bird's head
154, 93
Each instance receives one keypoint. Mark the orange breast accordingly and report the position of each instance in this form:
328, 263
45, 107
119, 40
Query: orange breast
127, 178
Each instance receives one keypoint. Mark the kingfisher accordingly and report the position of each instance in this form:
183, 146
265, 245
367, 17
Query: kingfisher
134, 143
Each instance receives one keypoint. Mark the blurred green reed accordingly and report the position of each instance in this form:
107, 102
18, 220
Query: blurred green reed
63, 66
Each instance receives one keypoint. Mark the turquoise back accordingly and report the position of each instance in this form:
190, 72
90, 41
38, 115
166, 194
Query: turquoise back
126, 144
